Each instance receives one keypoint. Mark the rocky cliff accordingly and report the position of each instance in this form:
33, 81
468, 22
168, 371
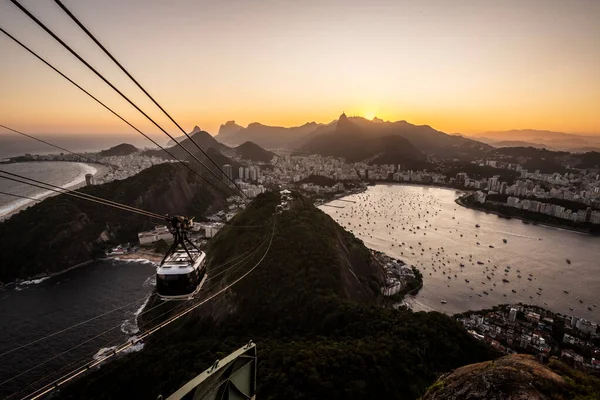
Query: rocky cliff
63, 231
514, 377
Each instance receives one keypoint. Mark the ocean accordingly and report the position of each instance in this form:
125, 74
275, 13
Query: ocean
424, 227
63, 174
108, 294
12, 144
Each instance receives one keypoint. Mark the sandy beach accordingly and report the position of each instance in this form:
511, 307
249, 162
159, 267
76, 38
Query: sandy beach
101, 170
140, 254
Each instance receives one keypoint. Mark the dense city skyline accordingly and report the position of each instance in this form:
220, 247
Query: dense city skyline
474, 67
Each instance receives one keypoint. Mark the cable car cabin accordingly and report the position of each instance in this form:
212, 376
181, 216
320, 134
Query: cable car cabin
180, 278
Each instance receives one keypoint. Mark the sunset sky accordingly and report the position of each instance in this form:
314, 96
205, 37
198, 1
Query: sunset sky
459, 66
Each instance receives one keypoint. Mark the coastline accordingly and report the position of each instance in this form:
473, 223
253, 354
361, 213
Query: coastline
100, 171
39, 278
460, 203
523, 218
134, 256
137, 255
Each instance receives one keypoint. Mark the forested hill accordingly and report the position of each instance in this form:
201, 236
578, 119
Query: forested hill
63, 231
123, 149
252, 151
312, 307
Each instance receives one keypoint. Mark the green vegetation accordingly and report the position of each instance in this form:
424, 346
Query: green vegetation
313, 308
318, 180
63, 231
581, 386
161, 246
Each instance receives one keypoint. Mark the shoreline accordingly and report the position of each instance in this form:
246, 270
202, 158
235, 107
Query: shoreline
525, 219
41, 278
100, 169
140, 254
131, 257
460, 203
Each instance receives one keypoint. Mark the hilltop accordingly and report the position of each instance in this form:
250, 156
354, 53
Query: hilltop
253, 152
396, 142
63, 231
181, 138
314, 308
547, 161
123, 149
514, 377
200, 137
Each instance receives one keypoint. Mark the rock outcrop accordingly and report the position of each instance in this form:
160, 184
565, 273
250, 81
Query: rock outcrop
513, 377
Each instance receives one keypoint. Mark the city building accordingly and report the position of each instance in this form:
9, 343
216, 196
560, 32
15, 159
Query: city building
227, 172
158, 233
512, 315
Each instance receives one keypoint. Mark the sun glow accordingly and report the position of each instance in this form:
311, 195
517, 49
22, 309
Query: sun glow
369, 115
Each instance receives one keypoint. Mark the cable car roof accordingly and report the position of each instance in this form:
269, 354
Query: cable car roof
179, 263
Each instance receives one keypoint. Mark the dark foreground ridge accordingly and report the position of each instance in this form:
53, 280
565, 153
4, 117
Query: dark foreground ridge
313, 307
515, 377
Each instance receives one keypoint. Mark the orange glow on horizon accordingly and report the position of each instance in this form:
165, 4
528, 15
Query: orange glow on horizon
463, 68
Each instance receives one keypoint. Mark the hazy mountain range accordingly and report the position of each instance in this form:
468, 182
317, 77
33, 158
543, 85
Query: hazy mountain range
270, 137
356, 139
540, 139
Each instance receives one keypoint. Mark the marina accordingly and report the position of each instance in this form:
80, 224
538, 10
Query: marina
514, 262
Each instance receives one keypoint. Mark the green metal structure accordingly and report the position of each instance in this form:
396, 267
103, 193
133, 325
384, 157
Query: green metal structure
232, 378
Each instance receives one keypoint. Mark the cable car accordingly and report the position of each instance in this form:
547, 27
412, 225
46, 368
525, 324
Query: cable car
181, 276
182, 271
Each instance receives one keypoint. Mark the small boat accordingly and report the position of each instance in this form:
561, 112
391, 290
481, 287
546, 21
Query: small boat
486, 293
514, 291
504, 240
505, 280
466, 280
491, 247
443, 301
568, 261
480, 262
565, 292
477, 226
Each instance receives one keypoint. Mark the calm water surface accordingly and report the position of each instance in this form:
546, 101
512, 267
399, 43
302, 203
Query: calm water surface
431, 222
117, 289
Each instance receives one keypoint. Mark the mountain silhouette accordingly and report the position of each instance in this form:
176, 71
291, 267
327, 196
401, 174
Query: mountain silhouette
540, 138
253, 152
180, 139
269, 137
357, 139
123, 149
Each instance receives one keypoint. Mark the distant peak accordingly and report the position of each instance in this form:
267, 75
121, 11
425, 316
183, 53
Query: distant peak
196, 129
343, 117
